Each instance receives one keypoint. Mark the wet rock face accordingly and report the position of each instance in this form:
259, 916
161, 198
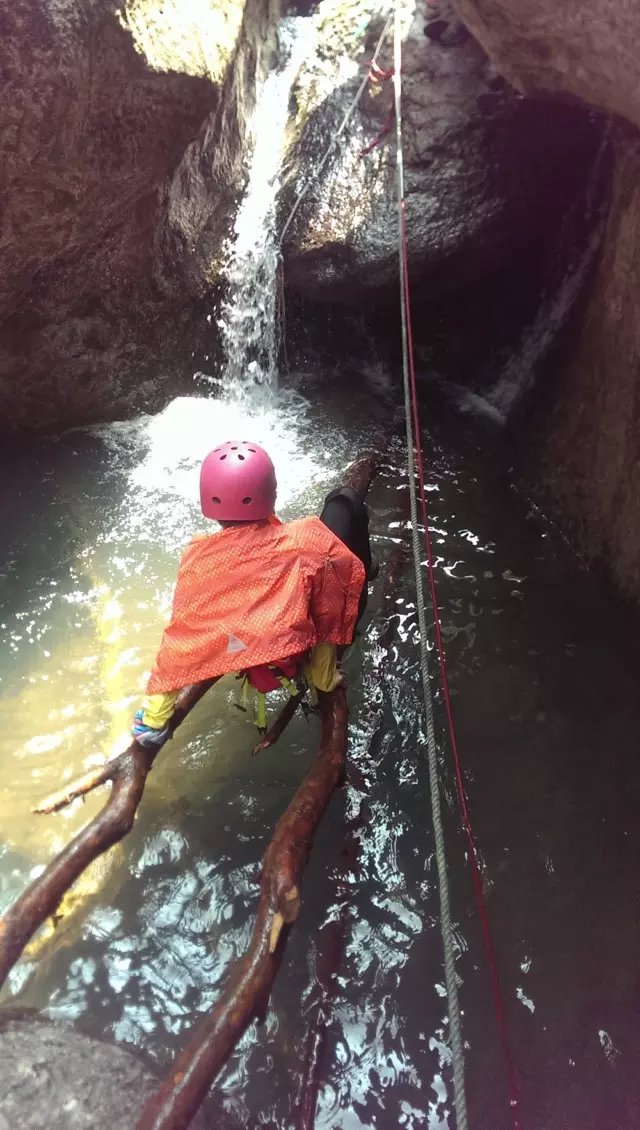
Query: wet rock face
487, 172
590, 443
586, 48
101, 101
53, 1076
586, 437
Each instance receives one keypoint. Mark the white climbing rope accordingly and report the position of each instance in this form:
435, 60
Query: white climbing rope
334, 140
455, 1023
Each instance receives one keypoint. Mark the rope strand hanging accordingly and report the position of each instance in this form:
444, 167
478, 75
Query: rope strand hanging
415, 462
446, 926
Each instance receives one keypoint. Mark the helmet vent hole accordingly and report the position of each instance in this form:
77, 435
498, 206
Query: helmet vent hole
247, 501
216, 499
222, 457
252, 450
241, 457
234, 448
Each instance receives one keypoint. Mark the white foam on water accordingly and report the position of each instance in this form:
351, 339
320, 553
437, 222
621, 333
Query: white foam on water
162, 493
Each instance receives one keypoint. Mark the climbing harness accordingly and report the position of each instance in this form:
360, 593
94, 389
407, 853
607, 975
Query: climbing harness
416, 463
272, 678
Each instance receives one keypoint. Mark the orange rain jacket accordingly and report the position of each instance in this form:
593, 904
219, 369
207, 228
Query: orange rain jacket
257, 594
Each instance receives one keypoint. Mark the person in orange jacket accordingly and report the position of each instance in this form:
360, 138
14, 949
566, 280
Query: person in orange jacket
267, 600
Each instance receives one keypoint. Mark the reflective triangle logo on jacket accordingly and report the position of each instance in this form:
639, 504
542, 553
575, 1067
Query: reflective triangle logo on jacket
235, 644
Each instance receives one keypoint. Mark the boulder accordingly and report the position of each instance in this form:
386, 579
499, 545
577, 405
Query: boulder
55, 1076
120, 143
488, 173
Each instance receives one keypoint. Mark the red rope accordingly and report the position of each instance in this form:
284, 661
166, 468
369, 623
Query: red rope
379, 74
380, 136
464, 807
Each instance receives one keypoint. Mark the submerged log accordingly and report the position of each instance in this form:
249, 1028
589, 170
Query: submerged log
249, 986
128, 774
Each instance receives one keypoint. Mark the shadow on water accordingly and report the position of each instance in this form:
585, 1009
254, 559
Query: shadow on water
545, 696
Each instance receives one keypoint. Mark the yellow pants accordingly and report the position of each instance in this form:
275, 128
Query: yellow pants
321, 671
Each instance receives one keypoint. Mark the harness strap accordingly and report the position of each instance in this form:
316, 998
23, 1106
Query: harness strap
260, 712
293, 688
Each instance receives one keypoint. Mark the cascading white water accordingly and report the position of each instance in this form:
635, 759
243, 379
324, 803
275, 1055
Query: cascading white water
247, 319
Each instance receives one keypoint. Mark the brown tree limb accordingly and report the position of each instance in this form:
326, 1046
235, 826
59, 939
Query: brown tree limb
128, 774
81, 786
182, 1093
114, 768
249, 985
360, 474
279, 725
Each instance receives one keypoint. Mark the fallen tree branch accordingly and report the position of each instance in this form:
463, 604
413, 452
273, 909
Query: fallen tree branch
280, 724
117, 766
81, 786
249, 985
127, 773
360, 474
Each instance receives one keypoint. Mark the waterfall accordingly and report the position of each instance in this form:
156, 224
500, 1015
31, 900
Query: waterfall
247, 319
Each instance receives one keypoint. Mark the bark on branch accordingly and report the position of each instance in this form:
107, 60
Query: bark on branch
127, 774
361, 473
279, 725
249, 986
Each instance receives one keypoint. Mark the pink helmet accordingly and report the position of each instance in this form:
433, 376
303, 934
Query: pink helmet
238, 483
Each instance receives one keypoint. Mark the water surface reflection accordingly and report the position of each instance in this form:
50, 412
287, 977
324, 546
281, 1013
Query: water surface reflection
545, 694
